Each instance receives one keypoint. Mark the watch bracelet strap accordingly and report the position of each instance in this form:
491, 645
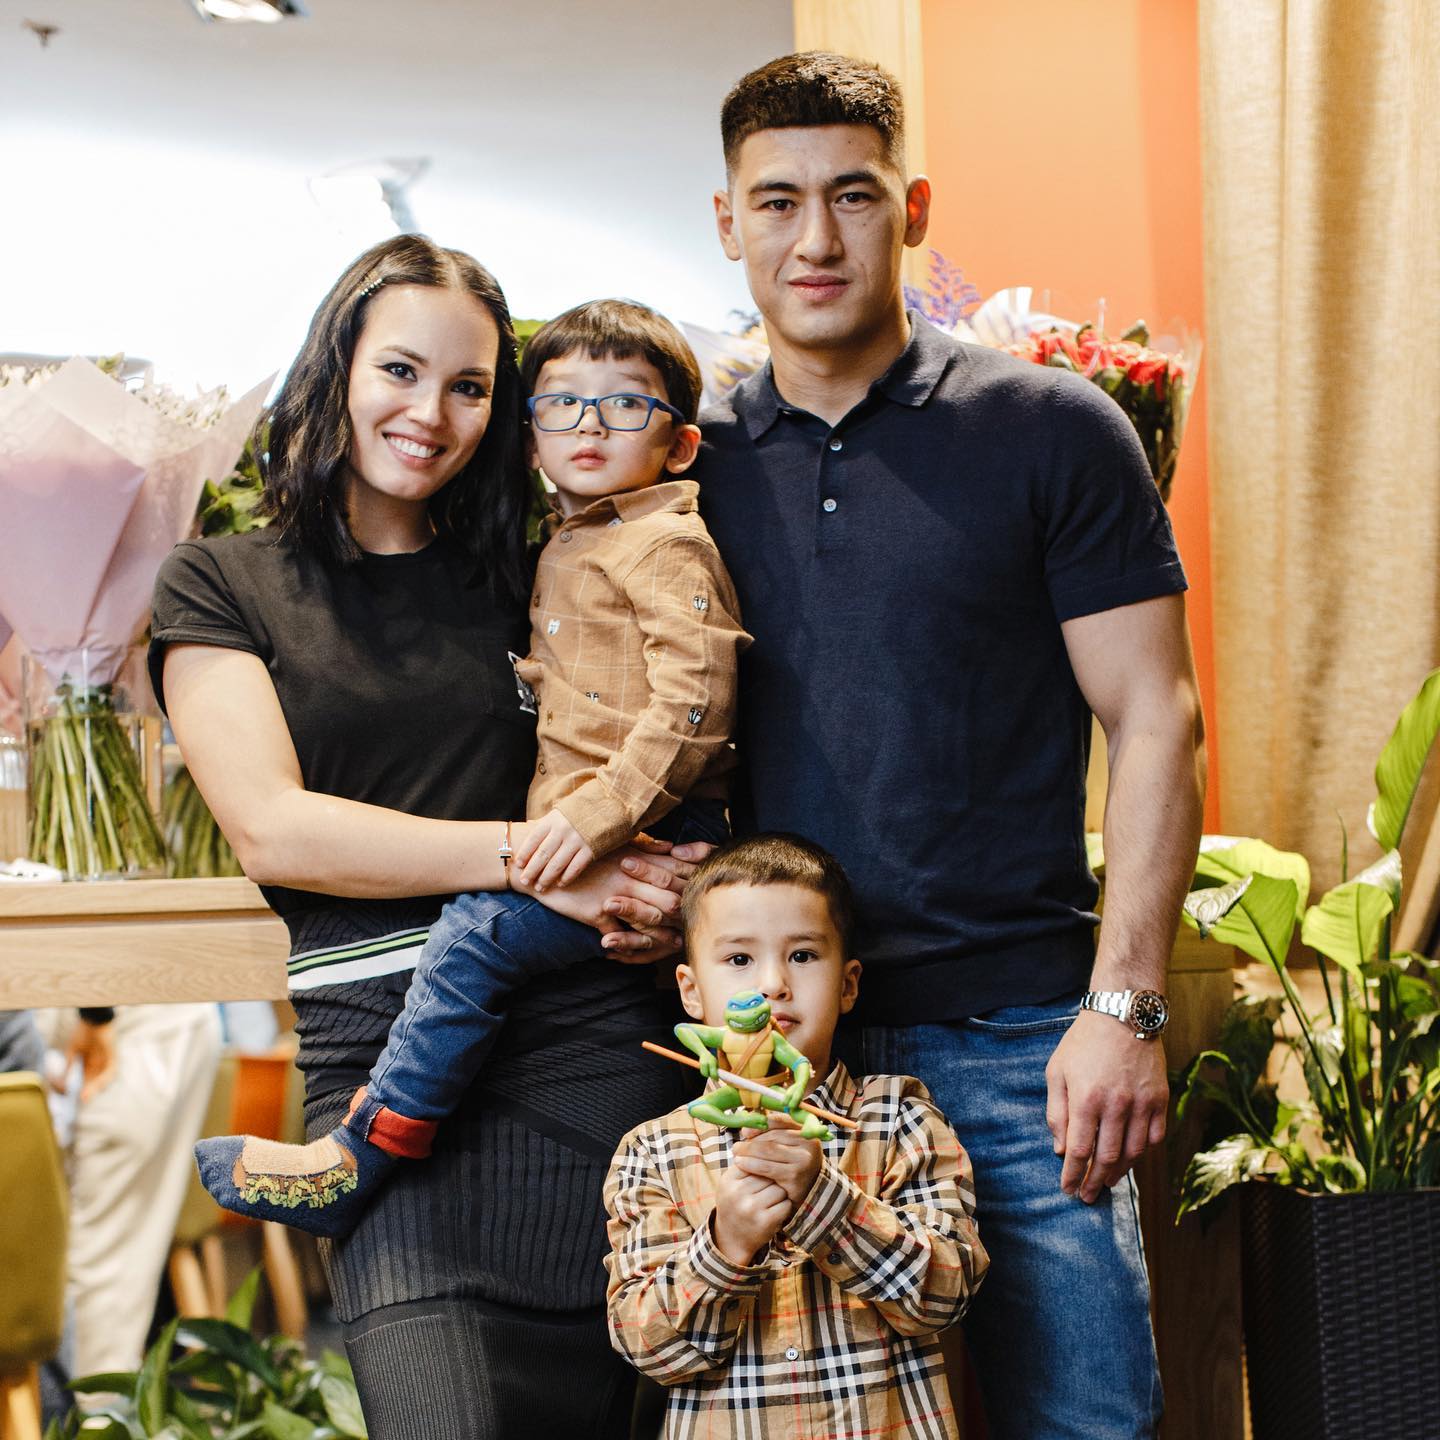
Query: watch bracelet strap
1115, 1003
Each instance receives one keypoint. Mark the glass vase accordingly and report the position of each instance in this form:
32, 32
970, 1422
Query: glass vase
94, 773
12, 798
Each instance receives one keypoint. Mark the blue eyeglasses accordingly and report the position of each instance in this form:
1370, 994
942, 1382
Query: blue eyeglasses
621, 411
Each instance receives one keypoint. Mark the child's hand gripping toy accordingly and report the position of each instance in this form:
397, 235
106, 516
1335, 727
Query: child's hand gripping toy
750, 1047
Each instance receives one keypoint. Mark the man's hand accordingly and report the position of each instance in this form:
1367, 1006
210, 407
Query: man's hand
553, 853
646, 932
749, 1211
1107, 1102
94, 1047
782, 1156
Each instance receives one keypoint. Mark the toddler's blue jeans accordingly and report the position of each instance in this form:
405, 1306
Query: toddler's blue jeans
482, 949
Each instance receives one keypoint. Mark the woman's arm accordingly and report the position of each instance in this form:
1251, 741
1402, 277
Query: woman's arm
232, 732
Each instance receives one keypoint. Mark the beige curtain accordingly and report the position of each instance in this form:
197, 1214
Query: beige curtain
1322, 270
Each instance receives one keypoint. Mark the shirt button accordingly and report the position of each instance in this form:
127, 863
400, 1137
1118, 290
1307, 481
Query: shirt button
829, 506
564, 537
792, 1353
837, 444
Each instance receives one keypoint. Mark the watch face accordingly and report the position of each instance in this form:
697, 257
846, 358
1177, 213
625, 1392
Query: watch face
1148, 1012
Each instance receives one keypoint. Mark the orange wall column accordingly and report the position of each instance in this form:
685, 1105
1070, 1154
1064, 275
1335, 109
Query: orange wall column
1063, 140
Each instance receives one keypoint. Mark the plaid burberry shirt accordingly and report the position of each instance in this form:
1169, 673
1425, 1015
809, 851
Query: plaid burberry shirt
833, 1331
635, 638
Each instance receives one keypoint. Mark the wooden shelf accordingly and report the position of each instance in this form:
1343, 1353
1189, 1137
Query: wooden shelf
130, 942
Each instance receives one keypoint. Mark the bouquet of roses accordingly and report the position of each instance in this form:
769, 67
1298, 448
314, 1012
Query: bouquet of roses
1150, 386
98, 480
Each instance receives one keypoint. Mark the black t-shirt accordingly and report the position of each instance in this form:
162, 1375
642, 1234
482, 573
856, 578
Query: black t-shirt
394, 676
908, 701
395, 679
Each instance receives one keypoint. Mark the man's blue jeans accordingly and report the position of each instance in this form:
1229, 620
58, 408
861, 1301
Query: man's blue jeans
1060, 1330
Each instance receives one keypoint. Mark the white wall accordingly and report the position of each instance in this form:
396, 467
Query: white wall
153, 168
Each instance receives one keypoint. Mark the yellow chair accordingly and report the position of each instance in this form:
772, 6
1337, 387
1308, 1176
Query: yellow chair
32, 1251
197, 1259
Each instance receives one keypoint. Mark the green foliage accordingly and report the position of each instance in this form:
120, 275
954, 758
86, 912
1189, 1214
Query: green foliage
524, 329
1397, 772
231, 507
1223, 858
1345, 926
212, 1380
1255, 914
195, 842
1371, 1058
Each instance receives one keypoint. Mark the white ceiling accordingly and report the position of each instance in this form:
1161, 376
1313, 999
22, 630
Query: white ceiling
154, 167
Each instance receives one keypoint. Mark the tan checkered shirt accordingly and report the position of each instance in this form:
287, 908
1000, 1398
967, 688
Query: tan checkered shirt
635, 638
833, 1332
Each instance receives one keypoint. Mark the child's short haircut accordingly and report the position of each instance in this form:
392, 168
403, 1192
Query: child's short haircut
775, 859
814, 88
619, 330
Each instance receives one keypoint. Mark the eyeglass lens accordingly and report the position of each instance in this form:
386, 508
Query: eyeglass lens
617, 412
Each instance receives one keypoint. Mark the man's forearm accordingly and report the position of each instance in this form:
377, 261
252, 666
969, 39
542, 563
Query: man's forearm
1152, 832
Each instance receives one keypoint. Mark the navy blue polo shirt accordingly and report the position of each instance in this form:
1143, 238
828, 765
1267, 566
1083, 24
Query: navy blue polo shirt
908, 702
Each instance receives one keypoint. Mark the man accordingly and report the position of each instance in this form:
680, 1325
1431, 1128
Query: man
948, 560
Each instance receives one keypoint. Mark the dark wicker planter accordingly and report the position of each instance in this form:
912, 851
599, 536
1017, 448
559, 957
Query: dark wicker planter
1342, 1314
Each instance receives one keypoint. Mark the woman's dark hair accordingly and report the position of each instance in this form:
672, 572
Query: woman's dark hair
619, 330
777, 858
483, 508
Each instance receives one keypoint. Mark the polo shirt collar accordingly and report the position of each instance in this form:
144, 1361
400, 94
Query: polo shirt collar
676, 497
909, 381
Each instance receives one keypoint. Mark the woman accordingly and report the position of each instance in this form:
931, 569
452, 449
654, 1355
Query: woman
342, 687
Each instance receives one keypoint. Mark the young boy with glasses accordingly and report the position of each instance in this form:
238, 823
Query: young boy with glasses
778, 1285
635, 637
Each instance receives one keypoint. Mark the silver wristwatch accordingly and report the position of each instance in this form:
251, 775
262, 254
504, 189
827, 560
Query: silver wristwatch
1144, 1011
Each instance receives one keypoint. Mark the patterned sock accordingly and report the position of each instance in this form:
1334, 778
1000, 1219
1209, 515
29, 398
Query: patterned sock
322, 1187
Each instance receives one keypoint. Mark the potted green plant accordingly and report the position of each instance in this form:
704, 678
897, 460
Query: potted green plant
212, 1380
1341, 1213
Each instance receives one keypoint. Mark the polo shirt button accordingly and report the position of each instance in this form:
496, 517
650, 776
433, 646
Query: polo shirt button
564, 537
792, 1353
829, 506
837, 444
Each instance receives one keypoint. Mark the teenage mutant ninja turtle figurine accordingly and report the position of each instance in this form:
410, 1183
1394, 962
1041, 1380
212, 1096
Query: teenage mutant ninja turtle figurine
748, 1046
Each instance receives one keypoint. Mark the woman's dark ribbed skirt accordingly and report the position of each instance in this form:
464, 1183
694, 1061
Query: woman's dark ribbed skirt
472, 1290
